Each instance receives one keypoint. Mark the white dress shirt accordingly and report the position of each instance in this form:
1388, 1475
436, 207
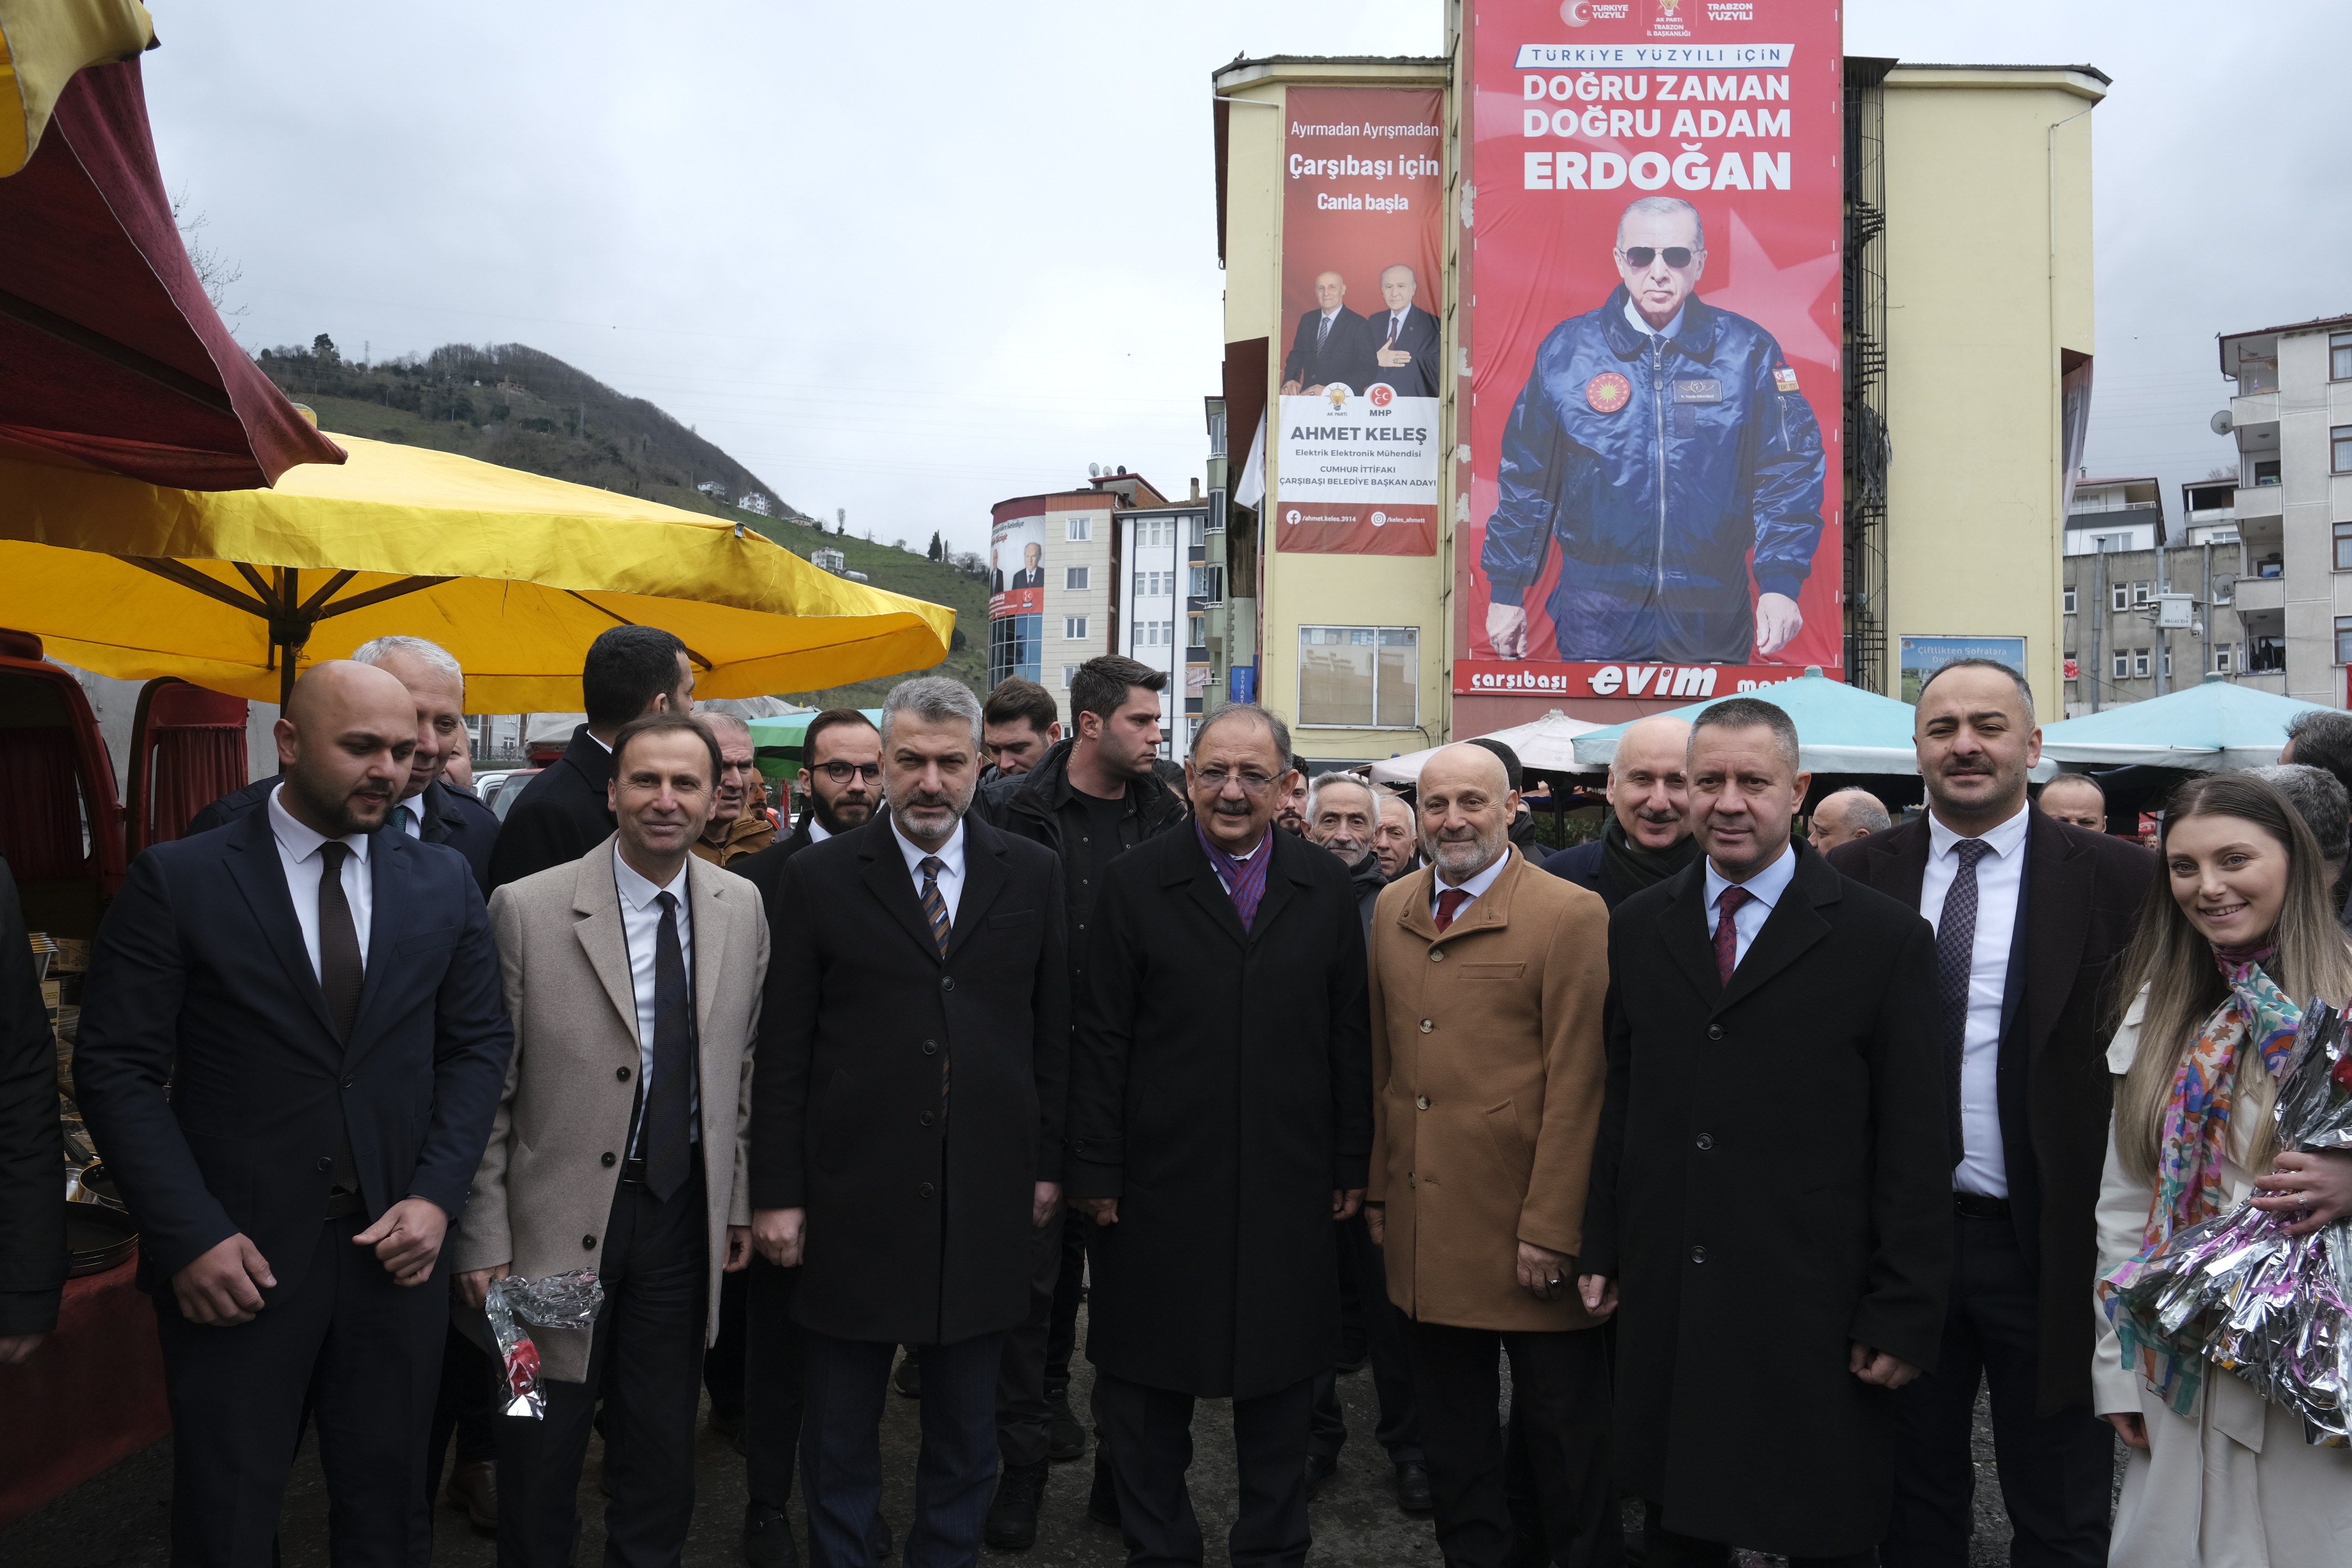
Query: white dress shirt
641, 928
1764, 890
1640, 324
1475, 887
412, 815
297, 855
2001, 876
1395, 329
951, 859
818, 832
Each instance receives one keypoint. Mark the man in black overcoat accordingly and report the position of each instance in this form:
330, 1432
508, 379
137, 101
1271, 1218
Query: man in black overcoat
907, 1123
2032, 916
1770, 1211
562, 814
1221, 1122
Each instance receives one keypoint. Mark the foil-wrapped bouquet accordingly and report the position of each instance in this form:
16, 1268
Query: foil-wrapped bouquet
2237, 1293
558, 1302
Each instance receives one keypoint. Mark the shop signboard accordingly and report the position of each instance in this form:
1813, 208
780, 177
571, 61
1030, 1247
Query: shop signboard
1922, 656
1356, 447
1651, 290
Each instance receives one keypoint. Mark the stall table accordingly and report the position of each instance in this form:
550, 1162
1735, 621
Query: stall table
91, 1397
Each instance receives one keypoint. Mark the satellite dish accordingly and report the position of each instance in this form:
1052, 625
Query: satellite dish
1093, 470
2221, 422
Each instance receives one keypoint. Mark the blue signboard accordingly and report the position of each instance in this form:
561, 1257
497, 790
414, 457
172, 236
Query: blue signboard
1922, 656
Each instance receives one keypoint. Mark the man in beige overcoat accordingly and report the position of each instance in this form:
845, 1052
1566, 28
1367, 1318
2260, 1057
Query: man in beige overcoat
633, 978
1487, 976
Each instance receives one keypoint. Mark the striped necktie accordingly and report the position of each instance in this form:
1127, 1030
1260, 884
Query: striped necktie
934, 908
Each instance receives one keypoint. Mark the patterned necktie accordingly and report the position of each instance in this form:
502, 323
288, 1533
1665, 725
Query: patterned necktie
1396, 325
1726, 934
934, 908
666, 1137
1449, 904
341, 972
1956, 945
1322, 331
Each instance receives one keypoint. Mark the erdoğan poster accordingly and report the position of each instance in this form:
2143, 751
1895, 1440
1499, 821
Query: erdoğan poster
1653, 298
1355, 424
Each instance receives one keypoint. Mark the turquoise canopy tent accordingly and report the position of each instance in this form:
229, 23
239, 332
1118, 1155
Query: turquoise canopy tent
2208, 727
776, 743
1840, 728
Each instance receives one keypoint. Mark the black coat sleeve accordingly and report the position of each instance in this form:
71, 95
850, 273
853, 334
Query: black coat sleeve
788, 1012
32, 1145
1049, 1009
1105, 1042
1902, 1306
1350, 1045
1601, 1254
472, 1040
130, 1033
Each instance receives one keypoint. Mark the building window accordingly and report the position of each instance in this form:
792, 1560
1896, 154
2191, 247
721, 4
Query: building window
1154, 584
1153, 634
2140, 592
1209, 583
1194, 527
2343, 639
1361, 677
1080, 528
2339, 356
2123, 665
2070, 601
1196, 630
1070, 674
2139, 664
1155, 532
2122, 597
1015, 645
2339, 448
2168, 662
1073, 579
1074, 629
2266, 473
2072, 667
2224, 654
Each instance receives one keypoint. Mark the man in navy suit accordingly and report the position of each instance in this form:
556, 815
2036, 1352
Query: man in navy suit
1404, 337
428, 808
320, 994
1332, 343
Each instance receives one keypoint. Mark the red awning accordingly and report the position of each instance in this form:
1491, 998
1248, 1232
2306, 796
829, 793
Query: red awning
111, 356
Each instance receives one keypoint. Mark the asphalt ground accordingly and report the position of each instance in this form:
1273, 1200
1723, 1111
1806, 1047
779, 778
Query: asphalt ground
121, 1519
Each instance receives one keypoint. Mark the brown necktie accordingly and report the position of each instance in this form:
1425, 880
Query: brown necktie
341, 971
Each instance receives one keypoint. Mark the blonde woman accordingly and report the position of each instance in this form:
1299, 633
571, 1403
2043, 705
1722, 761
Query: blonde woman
2236, 936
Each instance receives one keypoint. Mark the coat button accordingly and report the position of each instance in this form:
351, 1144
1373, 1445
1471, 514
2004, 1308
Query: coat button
1426, 1026
1423, 1102
588, 1243
326, 1162
925, 1119
1436, 955
610, 1161
621, 1074
1715, 1031
1699, 1255
931, 1047
947, 982
1706, 1142
925, 1190
347, 1083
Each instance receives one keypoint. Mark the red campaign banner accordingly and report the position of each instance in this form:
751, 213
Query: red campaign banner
1016, 556
1653, 298
1353, 432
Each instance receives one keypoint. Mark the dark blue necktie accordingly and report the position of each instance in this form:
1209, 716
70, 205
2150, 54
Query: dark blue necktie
1956, 945
666, 1137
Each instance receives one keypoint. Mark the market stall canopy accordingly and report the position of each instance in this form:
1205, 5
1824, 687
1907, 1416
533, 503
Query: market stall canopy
1840, 728
513, 572
1544, 746
2212, 725
776, 743
115, 359
42, 44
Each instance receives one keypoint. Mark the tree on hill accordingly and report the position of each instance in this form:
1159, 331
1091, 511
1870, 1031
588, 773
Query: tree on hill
936, 552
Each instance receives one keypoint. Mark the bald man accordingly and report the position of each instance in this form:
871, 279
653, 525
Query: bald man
1332, 344
320, 991
1847, 816
1646, 837
2076, 800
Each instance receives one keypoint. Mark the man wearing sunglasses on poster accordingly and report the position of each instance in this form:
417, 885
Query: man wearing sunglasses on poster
1659, 440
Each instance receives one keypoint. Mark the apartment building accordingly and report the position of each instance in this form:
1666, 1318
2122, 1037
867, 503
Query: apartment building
2147, 607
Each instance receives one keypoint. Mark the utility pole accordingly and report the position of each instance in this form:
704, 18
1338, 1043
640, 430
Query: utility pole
2098, 621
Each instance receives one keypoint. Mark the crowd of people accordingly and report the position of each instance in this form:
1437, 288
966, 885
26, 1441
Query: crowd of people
1706, 1163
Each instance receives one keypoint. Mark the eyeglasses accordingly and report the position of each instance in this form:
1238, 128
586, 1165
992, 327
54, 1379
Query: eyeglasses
1251, 781
1677, 256
842, 773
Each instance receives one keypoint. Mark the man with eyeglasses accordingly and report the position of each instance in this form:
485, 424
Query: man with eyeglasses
1223, 1063
1660, 442
735, 833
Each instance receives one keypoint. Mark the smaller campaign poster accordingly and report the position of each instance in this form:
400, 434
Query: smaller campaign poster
1356, 437
1016, 566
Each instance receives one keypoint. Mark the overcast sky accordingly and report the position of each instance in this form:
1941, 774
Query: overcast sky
911, 259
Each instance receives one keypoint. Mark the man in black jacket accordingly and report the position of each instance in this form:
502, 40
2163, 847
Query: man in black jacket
1090, 799
428, 808
907, 1123
1221, 1122
1769, 1195
1646, 837
562, 814
1332, 343
1404, 337
32, 1146
2030, 917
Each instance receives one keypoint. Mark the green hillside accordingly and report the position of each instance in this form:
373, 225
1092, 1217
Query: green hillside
515, 406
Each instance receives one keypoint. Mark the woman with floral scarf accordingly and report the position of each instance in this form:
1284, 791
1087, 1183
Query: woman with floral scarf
2236, 936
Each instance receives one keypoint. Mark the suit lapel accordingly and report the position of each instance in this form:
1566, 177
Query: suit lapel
707, 897
1281, 848
1793, 926
605, 942
2056, 907
984, 876
1682, 930
388, 868
887, 874
1903, 855
1209, 890
260, 876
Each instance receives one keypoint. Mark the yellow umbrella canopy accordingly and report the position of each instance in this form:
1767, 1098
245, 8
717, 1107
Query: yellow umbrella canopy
512, 572
42, 44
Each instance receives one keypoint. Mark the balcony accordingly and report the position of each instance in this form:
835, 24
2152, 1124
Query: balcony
2259, 407
2254, 595
2256, 502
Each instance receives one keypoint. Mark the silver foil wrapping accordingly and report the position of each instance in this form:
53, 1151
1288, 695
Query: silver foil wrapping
2238, 1294
558, 1302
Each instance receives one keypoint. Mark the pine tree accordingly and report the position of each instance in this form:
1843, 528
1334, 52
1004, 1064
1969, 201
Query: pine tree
937, 550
